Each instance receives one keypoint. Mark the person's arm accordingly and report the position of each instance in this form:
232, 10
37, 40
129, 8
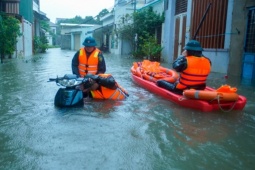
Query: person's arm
180, 64
207, 59
75, 63
108, 82
101, 64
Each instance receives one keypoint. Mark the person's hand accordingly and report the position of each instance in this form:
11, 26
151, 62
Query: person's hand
90, 82
91, 76
80, 87
184, 53
87, 82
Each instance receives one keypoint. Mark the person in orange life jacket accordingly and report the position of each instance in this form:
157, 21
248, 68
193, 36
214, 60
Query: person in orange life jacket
193, 68
88, 59
102, 86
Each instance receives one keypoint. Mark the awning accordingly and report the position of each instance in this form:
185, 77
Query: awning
105, 28
40, 15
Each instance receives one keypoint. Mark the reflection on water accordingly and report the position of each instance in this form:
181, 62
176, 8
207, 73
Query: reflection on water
143, 132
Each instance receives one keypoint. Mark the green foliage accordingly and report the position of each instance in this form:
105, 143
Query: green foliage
10, 30
126, 29
45, 25
90, 20
146, 21
102, 13
86, 20
75, 20
142, 23
151, 48
40, 44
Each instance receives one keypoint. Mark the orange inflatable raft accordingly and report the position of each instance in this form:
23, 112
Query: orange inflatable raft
152, 71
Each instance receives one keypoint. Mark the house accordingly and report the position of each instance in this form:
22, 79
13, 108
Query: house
73, 35
53, 30
223, 34
29, 14
103, 33
225, 29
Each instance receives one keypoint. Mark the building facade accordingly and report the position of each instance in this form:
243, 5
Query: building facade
29, 14
224, 28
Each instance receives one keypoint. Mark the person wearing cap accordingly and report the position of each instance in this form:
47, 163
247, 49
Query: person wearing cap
88, 59
193, 67
102, 86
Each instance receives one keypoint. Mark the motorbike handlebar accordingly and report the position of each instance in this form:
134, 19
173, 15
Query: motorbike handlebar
52, 79
60, 78
55, 79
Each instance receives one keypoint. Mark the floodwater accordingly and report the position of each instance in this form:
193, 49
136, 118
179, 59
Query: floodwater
143, 132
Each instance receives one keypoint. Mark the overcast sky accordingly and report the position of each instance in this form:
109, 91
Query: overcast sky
69, 9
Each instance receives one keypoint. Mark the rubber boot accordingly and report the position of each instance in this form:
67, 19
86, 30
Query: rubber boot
166, 85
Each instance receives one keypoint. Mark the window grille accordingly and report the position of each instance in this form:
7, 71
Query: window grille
250, 33
180, 6
212, 31
11, 7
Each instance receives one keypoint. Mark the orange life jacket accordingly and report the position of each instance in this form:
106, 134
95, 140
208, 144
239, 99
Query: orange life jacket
105, 93
198, 68
88, 64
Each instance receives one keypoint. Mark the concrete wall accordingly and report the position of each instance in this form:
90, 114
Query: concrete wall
168, 33
240, 11
219, 57
120, 11
24, 45
83, 32
49, 38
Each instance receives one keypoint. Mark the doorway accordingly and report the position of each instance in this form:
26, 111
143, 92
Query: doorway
179, 34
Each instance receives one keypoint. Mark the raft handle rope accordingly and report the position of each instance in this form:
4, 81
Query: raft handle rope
218, 99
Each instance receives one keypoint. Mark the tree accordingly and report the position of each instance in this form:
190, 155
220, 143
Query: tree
141, 24
126, 29
146, 21
102, 13
151, 48
90, 20
45, 25
10, 30
40, 44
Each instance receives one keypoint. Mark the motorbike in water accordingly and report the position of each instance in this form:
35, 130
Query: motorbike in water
68, 94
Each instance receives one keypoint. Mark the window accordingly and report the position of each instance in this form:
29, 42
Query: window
180, 6
250, 33
11, 7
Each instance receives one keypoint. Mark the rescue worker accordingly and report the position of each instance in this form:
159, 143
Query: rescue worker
88, 59
102, 86
193, 67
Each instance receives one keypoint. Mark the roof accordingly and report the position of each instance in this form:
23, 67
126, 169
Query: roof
76, 25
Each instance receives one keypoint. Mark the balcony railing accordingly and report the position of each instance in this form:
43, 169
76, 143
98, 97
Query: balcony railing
10, 6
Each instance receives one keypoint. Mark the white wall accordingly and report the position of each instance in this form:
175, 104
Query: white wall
168, 33
219, 59
121, 11
25, 42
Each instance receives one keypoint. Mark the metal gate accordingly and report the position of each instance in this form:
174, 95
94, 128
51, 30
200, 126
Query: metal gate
180, 26
248, 72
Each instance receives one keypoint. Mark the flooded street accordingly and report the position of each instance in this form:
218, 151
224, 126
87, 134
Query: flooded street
143, 132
